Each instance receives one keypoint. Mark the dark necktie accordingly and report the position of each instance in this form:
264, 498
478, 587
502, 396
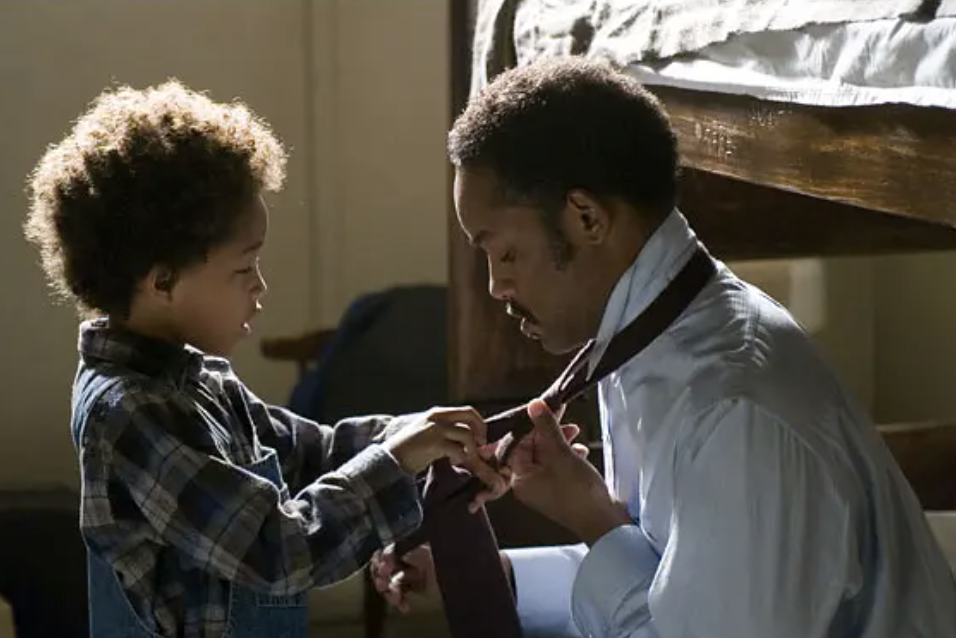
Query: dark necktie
476, 593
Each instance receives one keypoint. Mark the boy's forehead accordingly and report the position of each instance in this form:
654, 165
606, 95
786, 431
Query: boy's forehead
254, 223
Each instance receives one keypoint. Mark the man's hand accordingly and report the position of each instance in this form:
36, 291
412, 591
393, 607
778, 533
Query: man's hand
499, 480
400, 579
496, 480
552, 476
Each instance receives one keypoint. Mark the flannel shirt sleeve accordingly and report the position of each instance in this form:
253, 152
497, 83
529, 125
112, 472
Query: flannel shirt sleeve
228, 521
307, 449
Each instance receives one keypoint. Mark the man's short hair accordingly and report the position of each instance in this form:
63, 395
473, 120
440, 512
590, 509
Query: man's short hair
556, 125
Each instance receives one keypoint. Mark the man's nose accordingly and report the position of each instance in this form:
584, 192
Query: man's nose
500, 288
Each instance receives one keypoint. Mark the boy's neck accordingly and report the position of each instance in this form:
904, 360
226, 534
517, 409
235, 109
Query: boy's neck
146, 327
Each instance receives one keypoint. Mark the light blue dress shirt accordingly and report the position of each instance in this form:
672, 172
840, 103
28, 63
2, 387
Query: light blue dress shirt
765, 504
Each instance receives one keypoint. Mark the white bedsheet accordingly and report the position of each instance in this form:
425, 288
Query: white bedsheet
859, 64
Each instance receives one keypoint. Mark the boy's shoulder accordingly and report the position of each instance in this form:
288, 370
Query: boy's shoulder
105, 393
109, 396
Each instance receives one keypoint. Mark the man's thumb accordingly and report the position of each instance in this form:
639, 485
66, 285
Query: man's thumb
542, 416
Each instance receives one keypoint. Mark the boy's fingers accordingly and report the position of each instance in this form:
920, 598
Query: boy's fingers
462, 435
467, 416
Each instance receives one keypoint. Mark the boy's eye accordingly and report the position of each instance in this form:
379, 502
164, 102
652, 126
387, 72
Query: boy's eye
248, 270
508, 257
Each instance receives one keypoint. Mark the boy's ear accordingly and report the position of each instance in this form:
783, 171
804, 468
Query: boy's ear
160, 281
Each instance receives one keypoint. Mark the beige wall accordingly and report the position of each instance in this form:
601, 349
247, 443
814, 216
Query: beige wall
916, 337
366, 198
358, 89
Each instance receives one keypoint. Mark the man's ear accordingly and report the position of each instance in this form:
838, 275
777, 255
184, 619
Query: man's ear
588, 219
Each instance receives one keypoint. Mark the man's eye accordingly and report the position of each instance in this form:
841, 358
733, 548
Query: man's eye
507, 257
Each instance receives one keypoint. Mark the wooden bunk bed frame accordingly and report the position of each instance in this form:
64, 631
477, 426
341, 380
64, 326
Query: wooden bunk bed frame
760, 180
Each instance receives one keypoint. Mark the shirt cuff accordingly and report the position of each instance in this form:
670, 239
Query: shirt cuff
613, 581
544, 576
389, 492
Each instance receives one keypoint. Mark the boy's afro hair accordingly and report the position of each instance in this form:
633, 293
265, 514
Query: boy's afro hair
145, 178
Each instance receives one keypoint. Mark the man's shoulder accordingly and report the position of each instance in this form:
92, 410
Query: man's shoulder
751, 347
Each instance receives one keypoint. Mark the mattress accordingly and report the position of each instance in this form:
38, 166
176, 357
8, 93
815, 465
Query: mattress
858, 64
872, 61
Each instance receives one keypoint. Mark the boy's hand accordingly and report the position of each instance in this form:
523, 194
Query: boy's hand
455, 433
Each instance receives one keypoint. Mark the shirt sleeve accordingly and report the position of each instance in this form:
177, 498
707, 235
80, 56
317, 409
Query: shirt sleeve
226, 520
761, 543
307, 449
543, 579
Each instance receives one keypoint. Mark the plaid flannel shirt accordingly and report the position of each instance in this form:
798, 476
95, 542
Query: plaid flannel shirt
167, 503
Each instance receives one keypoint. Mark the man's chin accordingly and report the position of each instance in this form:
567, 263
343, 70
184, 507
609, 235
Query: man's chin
556, 349
549, 345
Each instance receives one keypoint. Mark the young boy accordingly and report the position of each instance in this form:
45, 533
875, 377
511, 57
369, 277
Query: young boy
206, 512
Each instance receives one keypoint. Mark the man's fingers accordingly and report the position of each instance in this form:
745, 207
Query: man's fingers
522, 455
493, 480
544, 419
387, 559
389, 582
383, 567
395, 596
570, 431
559, 414
495, 484
580, 449
395, 588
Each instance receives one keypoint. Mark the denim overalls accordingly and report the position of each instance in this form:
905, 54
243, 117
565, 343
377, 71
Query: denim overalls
250, 615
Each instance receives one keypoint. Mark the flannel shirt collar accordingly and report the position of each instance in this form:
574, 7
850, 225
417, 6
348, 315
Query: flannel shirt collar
145, 355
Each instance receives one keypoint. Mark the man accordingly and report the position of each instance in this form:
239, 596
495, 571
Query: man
746, 494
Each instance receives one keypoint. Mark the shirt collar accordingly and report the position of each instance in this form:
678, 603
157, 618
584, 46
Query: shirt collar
98, 341
660, 260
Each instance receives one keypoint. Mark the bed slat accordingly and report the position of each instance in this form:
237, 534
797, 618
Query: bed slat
895, 159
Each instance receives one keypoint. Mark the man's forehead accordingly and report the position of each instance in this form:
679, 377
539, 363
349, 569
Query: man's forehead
480, 238
474, 204
479, 186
